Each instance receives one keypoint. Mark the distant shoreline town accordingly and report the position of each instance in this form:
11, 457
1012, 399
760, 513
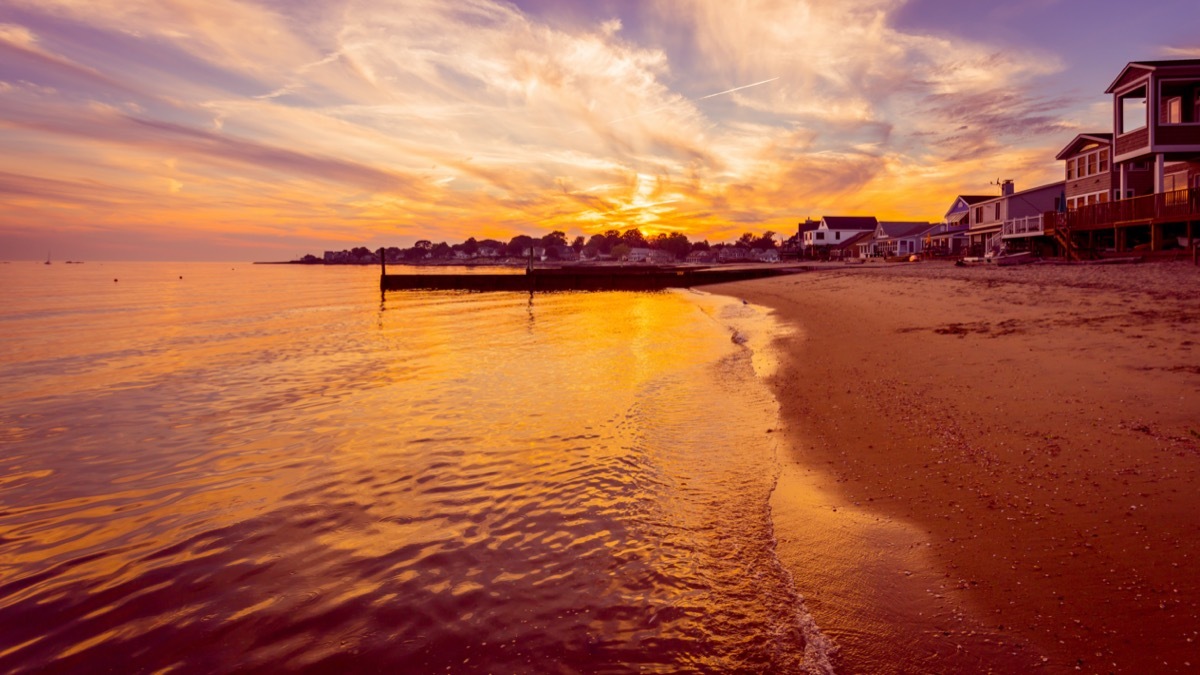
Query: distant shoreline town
613, 246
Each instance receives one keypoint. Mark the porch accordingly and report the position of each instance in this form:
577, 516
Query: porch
1158, 222
1028, 226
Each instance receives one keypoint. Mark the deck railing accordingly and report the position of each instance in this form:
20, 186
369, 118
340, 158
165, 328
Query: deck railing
1028, 226
1183, 204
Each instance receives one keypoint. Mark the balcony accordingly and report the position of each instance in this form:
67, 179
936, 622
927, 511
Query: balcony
1029, 226
1167, 207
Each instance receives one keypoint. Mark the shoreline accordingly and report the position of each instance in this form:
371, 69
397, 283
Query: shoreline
992, 468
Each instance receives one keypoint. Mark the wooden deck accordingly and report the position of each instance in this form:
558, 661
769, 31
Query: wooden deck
1179, 206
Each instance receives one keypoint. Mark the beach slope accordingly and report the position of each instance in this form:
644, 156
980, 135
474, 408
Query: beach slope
993, 469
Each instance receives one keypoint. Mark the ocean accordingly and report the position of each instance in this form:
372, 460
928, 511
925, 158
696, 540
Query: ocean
214, 467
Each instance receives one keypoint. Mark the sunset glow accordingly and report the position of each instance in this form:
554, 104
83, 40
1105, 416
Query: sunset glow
240, 129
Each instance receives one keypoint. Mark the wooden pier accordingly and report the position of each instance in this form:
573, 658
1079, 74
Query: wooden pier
581, 278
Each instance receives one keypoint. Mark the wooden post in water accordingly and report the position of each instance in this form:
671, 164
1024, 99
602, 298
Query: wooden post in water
382, 268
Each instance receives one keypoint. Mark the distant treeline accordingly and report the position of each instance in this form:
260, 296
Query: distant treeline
554, 246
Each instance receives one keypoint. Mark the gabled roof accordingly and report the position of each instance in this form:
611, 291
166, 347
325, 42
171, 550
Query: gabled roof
967, 201
855, 239
809, 226
1079, 141
850, 222
1150, 65
899, 230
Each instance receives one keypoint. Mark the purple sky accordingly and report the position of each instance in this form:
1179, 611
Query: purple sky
235, 130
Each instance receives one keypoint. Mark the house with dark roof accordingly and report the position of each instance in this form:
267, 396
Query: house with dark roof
1012, 215
1137, 187
833, 231
950, 236
899, 238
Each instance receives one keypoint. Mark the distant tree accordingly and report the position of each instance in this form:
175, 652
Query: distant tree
633, 238
578, 244
441, 251
700, 245
621, 251
745, 241
555, 238
470, 246
766, 241
423, 244
518, 245
600, 244
360, 251
675, 243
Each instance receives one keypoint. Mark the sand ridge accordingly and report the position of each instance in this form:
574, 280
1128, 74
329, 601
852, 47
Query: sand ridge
1008, 461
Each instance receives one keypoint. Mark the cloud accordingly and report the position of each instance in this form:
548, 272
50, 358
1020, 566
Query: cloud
1182, 52
698, 116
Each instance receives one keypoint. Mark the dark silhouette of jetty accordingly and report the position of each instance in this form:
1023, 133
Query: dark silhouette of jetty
581, 278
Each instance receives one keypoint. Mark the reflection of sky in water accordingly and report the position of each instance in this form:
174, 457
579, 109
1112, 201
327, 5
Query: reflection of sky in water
273, 463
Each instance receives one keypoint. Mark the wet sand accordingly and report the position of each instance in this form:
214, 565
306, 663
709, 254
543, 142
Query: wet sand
993, 469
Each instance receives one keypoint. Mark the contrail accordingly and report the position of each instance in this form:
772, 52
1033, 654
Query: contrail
719, 93
730, 91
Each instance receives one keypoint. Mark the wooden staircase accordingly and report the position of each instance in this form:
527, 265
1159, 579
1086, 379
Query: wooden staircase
1073, 251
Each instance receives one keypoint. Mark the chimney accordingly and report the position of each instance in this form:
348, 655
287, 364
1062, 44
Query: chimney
1006, 188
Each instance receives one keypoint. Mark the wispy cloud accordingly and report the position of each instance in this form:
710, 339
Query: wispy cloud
424, 118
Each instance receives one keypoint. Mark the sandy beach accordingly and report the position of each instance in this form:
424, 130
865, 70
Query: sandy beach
993, 469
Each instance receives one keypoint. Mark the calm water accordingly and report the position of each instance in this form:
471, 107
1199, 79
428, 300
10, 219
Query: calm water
259, 468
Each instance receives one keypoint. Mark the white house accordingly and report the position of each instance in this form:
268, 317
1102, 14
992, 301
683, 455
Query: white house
834, 230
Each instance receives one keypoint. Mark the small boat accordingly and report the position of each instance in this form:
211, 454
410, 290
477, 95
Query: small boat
1022, 258
47, 257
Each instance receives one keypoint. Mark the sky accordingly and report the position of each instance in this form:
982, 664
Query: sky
266, 129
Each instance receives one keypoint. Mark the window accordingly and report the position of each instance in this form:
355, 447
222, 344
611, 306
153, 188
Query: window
1174, 111
821, 236
1139, 166
1091, 164
1132, 110
979, 214
1070, 169
838, 236
1102, 198
1103, 160
997, 216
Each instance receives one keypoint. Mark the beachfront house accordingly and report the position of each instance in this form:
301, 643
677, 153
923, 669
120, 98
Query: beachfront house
833, 232
1010, 220
766, 255
802, 237
1139, 186
1091, 176
949, 238
1153, 193
730, 254
897, 238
